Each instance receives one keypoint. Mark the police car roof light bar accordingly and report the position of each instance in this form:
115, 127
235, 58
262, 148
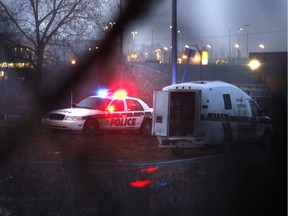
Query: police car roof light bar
120, 94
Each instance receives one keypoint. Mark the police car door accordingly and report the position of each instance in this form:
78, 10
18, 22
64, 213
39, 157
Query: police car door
114, 118
134, 115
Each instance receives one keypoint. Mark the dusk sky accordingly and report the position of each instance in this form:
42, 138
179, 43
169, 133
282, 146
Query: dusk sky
214, 22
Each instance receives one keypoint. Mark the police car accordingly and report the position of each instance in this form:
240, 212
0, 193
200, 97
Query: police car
103, 112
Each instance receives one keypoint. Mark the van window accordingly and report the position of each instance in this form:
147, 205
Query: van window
254, 108
227, 101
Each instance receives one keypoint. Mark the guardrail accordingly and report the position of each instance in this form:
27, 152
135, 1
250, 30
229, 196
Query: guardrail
13, 119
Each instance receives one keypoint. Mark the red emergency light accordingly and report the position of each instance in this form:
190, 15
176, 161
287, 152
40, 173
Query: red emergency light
120, 94
140, 183
149, 169
111, 109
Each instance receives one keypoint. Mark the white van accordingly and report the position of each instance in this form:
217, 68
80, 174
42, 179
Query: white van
207, 113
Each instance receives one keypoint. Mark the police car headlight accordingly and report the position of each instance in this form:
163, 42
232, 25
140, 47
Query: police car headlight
45, 116
73, 118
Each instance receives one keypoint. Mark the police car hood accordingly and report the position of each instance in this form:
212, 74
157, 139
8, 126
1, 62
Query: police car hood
76, 111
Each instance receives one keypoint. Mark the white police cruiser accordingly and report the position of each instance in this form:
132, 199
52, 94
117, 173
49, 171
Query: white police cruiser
103, 112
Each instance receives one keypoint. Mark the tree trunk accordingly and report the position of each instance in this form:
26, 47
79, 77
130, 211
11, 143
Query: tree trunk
39, 73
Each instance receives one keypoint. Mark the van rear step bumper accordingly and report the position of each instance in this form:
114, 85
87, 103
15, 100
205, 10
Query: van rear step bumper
181, 142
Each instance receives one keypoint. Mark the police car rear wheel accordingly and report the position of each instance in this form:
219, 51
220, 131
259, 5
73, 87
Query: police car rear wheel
91, 126
146, 127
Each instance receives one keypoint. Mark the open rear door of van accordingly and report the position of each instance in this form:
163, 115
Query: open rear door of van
160, 118
176, 113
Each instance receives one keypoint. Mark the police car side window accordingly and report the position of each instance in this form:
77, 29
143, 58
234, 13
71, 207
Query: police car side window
133, 105
118, 105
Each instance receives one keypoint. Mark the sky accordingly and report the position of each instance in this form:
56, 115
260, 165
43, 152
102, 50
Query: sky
216, 23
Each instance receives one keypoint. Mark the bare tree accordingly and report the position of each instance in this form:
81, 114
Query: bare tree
37, 23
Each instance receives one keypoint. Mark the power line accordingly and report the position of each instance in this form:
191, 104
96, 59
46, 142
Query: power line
215, 36
234, 35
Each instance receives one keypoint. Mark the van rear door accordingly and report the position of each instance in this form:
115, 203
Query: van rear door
160, 113
176, 113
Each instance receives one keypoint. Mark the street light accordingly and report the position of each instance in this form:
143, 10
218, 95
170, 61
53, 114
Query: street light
262, 47
134, 33
254, 64
73, 61
188, 53
112, 24
178, 31
203, 56
247, 38
105, 28
209, 49
247, 27
238, 43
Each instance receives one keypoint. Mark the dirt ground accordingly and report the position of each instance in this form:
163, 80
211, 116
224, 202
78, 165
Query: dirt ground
116, 147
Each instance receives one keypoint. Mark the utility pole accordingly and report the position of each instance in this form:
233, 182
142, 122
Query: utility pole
247, 39
121, 33
174, 41
229, 57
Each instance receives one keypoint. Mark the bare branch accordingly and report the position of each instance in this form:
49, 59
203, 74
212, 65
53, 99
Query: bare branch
15, 22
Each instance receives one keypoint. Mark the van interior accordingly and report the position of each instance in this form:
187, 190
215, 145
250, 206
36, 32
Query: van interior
182, 113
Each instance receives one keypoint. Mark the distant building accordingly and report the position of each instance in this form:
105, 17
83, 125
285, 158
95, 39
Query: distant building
272, 69
15, 61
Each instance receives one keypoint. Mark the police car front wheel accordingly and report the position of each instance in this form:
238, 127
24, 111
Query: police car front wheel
91, 126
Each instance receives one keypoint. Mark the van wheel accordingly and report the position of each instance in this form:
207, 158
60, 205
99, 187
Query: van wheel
91, 127
177, 151
146, 127
266, 141
226, 147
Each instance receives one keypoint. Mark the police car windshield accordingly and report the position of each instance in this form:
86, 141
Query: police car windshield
94, 103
